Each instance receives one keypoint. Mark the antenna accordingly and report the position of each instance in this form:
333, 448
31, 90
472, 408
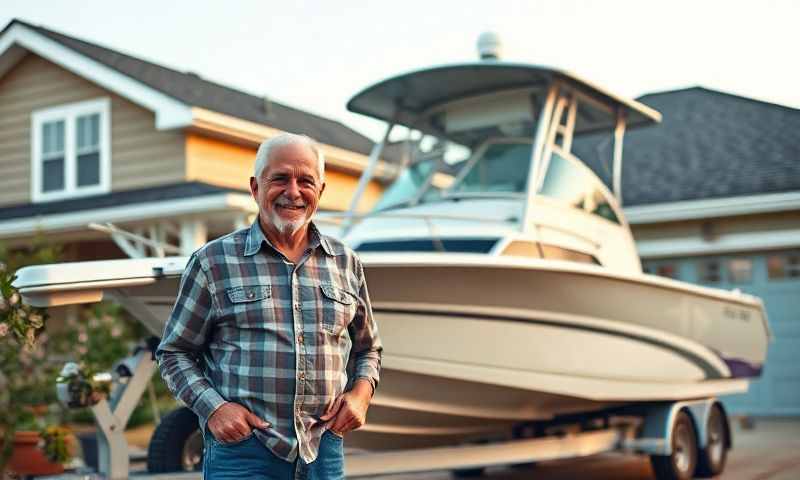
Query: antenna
489, 46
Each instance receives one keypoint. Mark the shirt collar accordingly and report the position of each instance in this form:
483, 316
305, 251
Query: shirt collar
256, 238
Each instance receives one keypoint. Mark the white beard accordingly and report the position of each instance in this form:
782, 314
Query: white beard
288, 227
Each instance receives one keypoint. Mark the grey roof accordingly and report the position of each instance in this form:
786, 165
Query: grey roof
196, 91
710, 144
174, 191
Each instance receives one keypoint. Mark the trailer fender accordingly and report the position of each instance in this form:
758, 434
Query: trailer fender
659, 418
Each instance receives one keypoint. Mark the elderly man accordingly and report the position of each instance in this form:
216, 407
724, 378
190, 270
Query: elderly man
272, 341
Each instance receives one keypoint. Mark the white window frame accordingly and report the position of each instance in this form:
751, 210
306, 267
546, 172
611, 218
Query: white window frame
69, 114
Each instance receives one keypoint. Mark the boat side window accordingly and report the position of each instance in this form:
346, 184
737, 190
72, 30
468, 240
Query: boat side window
519, 248
459, 245
522, 249
502, 167
553, 252
569, 181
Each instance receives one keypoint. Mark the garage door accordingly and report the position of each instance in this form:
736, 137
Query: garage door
775, 277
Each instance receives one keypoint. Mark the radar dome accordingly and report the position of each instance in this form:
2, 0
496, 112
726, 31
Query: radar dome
489, 46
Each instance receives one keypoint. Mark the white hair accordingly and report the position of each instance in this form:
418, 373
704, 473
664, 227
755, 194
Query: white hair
283, 139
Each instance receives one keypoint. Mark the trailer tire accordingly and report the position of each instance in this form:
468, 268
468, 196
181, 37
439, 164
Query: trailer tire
176, 444
469, 472
681, 464
711, 460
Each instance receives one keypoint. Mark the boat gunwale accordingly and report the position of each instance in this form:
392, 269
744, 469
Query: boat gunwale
417, 259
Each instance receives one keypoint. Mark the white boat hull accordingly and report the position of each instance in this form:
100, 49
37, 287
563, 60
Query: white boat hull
521, 341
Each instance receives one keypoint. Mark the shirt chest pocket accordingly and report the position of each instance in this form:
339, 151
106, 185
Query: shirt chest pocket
338, 308
249, 305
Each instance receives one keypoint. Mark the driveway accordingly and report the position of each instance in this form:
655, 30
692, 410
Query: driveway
768, 451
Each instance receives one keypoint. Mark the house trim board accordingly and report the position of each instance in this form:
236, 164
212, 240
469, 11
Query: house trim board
729, 243
129, 213
710, 208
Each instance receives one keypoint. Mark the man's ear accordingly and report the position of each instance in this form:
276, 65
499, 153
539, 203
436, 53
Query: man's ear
254, 188
321, 189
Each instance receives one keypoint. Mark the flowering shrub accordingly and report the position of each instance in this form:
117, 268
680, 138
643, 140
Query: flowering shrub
22, 369
26, 372
18, 320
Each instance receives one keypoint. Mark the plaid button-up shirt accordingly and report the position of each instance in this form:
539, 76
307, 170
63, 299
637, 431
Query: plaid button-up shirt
282, 339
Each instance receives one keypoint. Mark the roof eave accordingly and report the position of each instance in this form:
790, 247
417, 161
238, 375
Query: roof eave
169, 112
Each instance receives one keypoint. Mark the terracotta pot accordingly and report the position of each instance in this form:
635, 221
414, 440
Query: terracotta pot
28, 459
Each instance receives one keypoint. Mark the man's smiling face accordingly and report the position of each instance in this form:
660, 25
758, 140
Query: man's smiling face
289, 188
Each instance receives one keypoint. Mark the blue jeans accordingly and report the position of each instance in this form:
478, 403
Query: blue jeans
250, 459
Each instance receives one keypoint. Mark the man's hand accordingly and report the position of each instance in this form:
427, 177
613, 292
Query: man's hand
232, 422
349, 411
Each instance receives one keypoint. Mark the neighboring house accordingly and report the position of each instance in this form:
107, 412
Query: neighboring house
88, 134
713, 197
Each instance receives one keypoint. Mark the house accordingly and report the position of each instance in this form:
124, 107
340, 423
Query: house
713, 197
89, 134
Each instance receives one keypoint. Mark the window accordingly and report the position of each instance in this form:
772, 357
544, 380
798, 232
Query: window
70, 150
709, 271
783, 265
740, 270
572, 183
461, 245
668, 270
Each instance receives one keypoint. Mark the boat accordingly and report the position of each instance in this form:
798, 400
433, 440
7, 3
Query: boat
502, 271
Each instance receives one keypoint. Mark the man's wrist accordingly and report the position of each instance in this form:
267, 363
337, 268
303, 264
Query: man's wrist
363, 386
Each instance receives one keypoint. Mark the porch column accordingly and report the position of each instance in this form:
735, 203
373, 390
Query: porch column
194, 234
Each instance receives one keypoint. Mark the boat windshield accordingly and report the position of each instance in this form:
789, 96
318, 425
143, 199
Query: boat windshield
499, 166
408, 183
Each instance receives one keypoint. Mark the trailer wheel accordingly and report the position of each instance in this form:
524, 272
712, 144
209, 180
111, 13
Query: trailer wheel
469, 472
711, 460
177, 444
680, 465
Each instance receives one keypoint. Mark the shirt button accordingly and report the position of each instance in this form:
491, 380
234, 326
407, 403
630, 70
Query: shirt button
250, 294
298, 307
302, 376
300, 339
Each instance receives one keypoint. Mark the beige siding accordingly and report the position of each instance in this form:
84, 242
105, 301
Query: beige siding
140, 155
221, 163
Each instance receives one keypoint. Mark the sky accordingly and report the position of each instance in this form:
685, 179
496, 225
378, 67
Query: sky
315, 55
